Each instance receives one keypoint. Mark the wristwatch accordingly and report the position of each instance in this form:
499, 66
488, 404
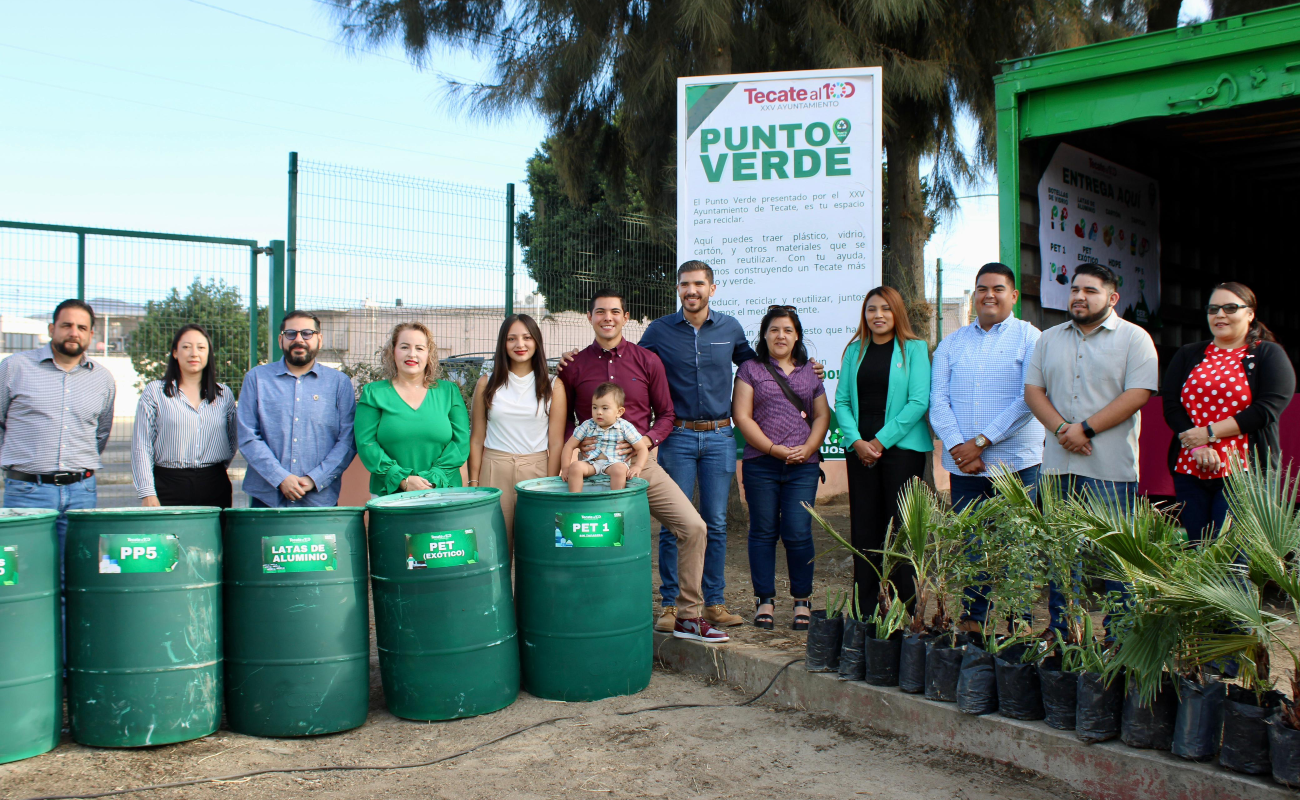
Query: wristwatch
1087, 429
981, 441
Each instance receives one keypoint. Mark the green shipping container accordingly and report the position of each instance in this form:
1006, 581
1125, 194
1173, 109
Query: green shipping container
297, 620
144, 624
583, 557
444, 615
31, 659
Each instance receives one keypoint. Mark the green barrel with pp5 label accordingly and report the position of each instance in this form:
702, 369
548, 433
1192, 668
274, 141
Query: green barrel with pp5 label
444, 614
31, 647
297, 620
582, 578
144, 624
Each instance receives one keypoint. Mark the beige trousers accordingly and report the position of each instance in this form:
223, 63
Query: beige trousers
674, 509
502, 470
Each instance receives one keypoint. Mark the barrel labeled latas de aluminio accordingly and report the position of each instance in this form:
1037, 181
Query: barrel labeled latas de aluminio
582, 578
31, 644
144, 624
297, 620
444, 613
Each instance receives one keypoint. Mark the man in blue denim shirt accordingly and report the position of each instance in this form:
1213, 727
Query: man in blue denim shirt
295, 423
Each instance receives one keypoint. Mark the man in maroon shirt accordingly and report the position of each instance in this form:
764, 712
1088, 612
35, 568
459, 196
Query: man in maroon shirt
649, 407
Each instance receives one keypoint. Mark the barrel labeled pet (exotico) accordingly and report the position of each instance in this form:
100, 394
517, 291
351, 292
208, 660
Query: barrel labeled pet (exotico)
144, 624
297, 620
31, 647
582, 576
444, 613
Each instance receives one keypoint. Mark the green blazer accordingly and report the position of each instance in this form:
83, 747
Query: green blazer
905, 405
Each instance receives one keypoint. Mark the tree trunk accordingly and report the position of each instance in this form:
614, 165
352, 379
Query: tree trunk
1163, 15
909, 226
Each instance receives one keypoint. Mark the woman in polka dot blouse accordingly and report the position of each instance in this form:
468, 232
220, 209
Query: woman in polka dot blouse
1221, 397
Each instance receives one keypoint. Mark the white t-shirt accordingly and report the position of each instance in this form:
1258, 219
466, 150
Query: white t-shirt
516, 422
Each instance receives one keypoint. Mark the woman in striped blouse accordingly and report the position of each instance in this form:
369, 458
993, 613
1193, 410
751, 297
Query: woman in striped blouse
185, 429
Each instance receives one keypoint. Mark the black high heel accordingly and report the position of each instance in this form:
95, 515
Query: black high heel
801, 623
764, 621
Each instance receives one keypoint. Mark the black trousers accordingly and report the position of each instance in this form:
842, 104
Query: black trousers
202, 486
873, 504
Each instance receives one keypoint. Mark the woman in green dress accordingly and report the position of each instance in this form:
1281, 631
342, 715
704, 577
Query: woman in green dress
412, 429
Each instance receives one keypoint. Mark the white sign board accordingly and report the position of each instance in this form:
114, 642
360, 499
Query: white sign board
778, 189
1091, 210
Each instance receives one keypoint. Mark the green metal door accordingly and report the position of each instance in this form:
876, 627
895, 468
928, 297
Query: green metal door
31, 658
582, 565
297, 620
144, 624
444, 614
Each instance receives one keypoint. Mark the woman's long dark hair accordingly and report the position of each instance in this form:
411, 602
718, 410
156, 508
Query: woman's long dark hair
501, 361
208, 388
1258, 331
799, 352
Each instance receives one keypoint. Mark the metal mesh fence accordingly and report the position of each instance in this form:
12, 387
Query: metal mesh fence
142, 289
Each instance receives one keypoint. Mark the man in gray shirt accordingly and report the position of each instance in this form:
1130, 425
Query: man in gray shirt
56, 411
1086, 383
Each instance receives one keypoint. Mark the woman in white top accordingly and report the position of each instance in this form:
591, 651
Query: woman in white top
185, 429
517, 417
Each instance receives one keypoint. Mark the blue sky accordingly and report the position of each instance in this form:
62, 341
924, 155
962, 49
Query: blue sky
166, 115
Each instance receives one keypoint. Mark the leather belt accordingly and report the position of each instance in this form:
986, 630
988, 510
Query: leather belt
701, 424
53, 478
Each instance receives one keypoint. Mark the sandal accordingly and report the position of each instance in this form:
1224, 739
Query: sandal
764, 621
801, 621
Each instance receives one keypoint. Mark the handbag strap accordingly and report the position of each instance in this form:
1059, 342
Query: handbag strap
784, 383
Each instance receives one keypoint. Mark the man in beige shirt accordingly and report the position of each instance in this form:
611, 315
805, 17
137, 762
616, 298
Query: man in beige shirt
1086, 383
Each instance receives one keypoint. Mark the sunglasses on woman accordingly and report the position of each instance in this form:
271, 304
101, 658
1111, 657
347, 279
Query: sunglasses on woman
1229, 309
770, 309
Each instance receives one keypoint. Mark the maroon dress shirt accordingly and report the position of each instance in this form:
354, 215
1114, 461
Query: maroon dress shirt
637, 371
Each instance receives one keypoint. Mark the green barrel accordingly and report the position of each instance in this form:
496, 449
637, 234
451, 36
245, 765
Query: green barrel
31, 661
444, 615
144, 624
297, 620
582, 576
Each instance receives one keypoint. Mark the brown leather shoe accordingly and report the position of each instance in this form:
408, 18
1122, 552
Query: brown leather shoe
719, 615
667, 619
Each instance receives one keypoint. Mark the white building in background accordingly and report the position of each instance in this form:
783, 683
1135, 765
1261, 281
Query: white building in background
957, 313
22, 333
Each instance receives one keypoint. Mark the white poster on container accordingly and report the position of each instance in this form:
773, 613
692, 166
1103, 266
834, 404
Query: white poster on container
778, 189
1092, 210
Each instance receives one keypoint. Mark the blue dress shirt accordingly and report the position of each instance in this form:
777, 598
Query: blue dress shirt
296, 425
978, 386
698, 363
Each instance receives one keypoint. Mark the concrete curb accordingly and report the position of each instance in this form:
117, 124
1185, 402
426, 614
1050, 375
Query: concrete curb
1106, 771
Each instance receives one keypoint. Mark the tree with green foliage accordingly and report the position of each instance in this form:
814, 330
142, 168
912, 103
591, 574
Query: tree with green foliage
603, 76
215, 305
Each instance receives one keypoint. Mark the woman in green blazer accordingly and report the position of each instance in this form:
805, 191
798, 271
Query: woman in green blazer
880, 407
412, 429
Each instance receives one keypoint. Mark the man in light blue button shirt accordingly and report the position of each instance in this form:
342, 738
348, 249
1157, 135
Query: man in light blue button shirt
977, 401
295, 423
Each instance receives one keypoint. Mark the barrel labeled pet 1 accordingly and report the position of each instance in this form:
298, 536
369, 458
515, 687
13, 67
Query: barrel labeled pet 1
582, 578
144, 624
444, 612
31, 641
297, 620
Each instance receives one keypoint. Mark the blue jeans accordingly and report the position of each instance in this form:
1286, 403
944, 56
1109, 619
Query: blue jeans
774, 491
21, 494
709, 459
967, 489
1123, 491
1204, 505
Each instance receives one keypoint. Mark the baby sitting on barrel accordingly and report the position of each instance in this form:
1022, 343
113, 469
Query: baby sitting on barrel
609, 428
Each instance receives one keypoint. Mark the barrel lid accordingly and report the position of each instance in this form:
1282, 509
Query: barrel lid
595, 485
293, 511
25, 514
435, 498
145, 511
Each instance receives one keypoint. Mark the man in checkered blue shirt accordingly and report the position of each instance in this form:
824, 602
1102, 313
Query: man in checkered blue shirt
977, 401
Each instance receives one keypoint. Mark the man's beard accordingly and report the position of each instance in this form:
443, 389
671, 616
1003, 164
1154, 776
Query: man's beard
1090, 318
292, 356
70, 347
